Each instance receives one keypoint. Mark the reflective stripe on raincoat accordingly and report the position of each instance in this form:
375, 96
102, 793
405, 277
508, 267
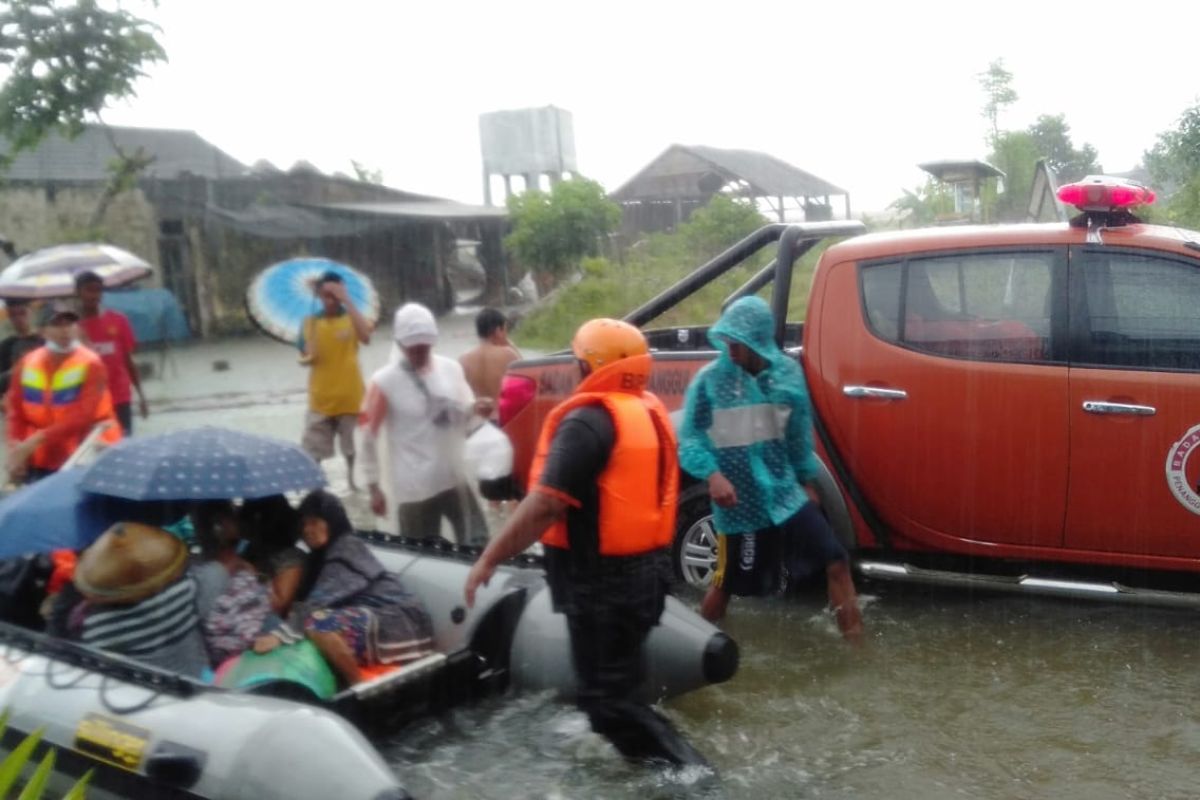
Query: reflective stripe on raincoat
756, 430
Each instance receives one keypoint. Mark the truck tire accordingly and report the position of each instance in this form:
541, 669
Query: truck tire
694, 552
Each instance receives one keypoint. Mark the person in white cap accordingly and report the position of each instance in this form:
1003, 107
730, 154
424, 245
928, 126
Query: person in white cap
423, 405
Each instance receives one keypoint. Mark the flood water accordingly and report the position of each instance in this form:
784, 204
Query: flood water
953, 695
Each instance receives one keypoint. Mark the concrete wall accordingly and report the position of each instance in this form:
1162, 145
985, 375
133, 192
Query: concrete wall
39, 216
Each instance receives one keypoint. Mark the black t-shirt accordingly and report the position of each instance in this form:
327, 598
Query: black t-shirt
12, 350
579, 577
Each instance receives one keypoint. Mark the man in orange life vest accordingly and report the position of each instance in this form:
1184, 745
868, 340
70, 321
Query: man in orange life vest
59, 392
603, 489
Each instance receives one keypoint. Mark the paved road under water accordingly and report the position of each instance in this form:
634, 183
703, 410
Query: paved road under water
952, 695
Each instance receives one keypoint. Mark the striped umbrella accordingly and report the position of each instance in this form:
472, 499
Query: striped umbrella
282, 295
50, 272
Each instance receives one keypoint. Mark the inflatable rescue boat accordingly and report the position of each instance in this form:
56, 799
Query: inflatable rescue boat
147, 733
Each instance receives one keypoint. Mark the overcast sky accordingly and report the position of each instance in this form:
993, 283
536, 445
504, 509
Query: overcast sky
855, 92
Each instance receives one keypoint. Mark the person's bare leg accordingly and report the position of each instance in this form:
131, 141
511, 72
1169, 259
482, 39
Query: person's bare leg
716, 600
338, 654
844, 600
350, 473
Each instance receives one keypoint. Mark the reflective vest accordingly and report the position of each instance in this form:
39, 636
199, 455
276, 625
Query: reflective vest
50, 397
639, 487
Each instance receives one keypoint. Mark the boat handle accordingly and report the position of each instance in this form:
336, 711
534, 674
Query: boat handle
874, 392
1100, 407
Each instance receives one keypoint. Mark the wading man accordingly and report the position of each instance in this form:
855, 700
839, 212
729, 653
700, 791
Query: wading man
603, 489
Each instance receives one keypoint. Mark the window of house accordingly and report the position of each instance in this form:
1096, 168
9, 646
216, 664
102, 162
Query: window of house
993, 306
1143, 311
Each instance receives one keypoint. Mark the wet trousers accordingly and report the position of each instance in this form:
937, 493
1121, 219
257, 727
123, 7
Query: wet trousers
606, 645
423, 519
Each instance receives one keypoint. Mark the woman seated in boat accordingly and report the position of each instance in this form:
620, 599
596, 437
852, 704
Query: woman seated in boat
354, 611
271, 527
232, 601
140, 599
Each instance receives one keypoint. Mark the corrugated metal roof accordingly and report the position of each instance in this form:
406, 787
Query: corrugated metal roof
86, 157
443, 209
680, 169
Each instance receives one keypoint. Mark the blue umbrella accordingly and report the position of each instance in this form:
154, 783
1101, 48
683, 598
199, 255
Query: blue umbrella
55, 513
202, 464
282, 295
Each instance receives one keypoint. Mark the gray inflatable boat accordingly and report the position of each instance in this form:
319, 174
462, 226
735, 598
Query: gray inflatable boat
151, 734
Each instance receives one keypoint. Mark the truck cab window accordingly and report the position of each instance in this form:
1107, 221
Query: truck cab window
989, 306
1143, 311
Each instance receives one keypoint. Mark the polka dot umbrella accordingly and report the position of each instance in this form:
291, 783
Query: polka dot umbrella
202, 464
282, 295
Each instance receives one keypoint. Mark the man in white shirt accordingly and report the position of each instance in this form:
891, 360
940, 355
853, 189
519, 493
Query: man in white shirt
423, 405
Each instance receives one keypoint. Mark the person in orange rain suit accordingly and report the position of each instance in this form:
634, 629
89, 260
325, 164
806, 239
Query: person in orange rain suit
58, 393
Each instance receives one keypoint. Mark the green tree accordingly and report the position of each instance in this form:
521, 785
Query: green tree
722, 222
1174, 166
1052, 140
1014, 153
553, 231
66, 63
997, 88
922, 206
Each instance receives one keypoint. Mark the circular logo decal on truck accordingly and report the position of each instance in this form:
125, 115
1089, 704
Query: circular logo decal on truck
1183, 470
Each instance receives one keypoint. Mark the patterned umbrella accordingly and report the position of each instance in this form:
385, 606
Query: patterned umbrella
51, 272
282, 295
202, 464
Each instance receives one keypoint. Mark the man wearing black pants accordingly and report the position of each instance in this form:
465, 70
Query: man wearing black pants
603, 491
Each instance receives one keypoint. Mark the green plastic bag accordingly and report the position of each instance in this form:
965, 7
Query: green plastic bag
300, 663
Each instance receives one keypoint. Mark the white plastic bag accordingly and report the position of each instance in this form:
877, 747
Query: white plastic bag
488, 453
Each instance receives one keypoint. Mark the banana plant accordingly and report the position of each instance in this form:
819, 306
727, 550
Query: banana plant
14, 765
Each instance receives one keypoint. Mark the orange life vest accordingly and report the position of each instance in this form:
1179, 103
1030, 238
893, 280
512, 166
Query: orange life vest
49, 396
639, 486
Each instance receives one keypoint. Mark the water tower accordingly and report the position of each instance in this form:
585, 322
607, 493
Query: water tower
530, 142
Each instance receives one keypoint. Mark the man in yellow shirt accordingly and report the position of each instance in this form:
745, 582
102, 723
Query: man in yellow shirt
335, 385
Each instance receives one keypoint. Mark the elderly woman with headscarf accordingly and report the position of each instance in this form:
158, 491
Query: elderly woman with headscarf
422, 405
356, 612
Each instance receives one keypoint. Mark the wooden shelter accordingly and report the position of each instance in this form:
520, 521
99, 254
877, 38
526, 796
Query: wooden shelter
685, 177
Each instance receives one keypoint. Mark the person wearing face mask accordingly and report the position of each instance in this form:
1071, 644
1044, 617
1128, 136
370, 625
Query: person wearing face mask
423, 405
59, 394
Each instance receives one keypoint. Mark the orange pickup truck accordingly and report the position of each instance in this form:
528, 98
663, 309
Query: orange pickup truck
1015, 406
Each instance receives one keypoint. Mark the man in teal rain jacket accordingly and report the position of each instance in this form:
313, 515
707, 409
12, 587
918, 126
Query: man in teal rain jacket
747, 431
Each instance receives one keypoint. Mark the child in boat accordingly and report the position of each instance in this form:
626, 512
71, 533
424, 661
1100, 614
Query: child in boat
354, 611
271, 527
232, 602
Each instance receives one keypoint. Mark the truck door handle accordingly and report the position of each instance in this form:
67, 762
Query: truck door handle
1101, 407
874, 392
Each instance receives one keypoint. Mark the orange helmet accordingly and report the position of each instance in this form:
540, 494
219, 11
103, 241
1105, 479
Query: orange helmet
600, 342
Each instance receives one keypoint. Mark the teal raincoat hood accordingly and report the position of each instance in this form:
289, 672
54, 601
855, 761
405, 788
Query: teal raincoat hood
756, 430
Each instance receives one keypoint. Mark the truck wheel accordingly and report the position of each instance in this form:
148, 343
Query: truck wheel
694, 554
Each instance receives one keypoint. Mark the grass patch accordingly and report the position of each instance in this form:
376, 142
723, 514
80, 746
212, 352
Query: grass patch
614, 288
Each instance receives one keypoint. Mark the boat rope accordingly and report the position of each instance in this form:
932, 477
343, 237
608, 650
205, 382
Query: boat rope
443, 548
104, 664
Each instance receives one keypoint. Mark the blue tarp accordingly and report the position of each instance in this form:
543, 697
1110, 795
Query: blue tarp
155, 314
